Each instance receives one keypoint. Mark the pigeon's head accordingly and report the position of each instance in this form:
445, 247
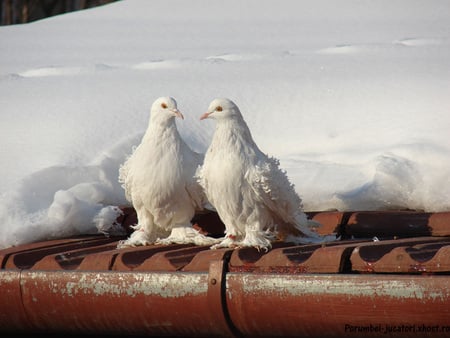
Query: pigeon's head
165, 108
221, 109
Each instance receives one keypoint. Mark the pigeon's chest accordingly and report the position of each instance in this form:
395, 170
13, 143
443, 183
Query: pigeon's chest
224, 172
158, 164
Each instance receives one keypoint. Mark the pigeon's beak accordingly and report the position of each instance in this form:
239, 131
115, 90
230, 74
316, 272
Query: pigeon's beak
177, 113
205, 115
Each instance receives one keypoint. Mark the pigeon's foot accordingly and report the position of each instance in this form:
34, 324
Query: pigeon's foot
228, 242
137, 227
260, 240
137, 238
187, 235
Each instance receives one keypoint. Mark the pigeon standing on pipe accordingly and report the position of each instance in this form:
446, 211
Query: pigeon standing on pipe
159, 181
252, 195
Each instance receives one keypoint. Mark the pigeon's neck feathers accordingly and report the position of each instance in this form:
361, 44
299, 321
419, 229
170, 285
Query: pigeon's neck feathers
161, 128
235, 133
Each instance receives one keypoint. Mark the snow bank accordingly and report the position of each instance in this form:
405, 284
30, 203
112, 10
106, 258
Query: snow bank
354, 100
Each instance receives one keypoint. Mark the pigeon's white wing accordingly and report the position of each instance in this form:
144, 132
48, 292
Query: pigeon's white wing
272, 187
192, 161
200, 181
196, 194
124, 171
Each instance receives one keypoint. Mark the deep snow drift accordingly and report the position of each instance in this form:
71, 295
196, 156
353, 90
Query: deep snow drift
354, 100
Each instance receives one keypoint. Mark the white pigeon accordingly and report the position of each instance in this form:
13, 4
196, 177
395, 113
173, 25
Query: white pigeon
251, 194
159, 181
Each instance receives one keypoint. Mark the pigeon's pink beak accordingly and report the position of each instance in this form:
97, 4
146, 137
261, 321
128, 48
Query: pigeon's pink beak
205, 116
177, 113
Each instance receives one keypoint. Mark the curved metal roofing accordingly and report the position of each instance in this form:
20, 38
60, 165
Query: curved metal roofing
85, 284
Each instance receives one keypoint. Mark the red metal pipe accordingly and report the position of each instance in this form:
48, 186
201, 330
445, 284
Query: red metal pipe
224, 304
118, 302
12, 311
338, 305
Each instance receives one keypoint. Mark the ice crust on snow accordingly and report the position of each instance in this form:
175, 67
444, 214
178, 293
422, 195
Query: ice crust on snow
353, 99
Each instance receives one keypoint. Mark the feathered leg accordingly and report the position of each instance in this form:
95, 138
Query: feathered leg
254, 237
185, 234
257, 238
143, 234
228, 242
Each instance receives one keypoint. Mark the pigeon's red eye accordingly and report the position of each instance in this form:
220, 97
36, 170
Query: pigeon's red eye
219, 108
164, 105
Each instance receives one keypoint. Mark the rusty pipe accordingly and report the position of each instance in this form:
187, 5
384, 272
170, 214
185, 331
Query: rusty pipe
339, 305
220, 303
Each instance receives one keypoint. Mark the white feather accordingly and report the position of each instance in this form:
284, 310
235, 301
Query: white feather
252, 195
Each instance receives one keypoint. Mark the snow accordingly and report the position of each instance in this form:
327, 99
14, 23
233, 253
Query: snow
353, 99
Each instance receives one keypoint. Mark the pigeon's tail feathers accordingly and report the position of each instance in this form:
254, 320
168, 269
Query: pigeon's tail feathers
305, 225
311, 240
312, 224
302, 231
